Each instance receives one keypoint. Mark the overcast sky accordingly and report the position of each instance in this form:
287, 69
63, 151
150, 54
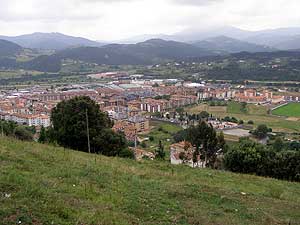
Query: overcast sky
118, 19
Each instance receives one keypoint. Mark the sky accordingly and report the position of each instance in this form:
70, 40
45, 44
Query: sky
120, 19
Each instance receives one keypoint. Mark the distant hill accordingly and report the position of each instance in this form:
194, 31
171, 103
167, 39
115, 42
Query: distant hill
268, 37
8, 49
144, 53
145, 37
148, 52
230, 45
50, 41
194, 34
43, 184
290, 43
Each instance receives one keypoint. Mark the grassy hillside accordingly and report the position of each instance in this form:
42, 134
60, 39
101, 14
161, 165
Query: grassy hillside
41, 184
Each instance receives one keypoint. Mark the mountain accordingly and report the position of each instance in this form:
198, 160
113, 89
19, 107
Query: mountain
52, 41
267, 37
275, 37
192, 35
9, 49
143, 53
145, 37
148, 52
231, 45
290, 43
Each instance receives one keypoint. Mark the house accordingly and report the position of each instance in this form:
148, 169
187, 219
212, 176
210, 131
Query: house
141, 154
183, 153
140, 123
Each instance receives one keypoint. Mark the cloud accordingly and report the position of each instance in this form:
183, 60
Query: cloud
118, 19
196, 2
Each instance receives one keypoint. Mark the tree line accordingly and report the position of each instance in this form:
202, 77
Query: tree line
277, 161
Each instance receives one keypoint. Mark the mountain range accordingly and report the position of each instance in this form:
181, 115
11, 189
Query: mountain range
218, 39
281, 38
225, 44
50, 41
144, 53
230, 40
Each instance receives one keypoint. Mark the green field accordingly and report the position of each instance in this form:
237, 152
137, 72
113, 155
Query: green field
290, 110
257, 113
161, 131
17, 74
41, 184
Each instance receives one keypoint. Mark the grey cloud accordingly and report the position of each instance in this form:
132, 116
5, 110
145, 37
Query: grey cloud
50, 12
196, 2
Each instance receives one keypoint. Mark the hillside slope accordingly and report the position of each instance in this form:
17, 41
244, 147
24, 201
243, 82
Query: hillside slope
8, 49
41, 184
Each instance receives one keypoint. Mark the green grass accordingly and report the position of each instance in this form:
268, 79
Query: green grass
41, 184
290, 110
234, 107
17, 74
161, 131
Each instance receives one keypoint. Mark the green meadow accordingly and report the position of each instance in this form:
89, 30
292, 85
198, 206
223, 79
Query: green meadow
41, 184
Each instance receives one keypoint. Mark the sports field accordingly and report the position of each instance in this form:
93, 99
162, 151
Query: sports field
290, 110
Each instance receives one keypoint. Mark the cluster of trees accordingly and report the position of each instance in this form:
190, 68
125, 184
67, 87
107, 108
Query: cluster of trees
270, 161
12, 129
261, 131
217, 103
230, 119
206, 141
80, 125
202, 115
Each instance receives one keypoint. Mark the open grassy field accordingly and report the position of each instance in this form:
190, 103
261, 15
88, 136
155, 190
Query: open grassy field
256, 113
17, 74
41, 184
290, 110
161, 131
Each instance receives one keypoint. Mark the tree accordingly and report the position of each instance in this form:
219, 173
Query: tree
204, 114
250, 122
204, 138
180, 136
160, 152
43, 135
70, 121
23, 134
261, 131
110, 143
221, 141
278, 144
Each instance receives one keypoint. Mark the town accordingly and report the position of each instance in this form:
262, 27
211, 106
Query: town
131, 101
